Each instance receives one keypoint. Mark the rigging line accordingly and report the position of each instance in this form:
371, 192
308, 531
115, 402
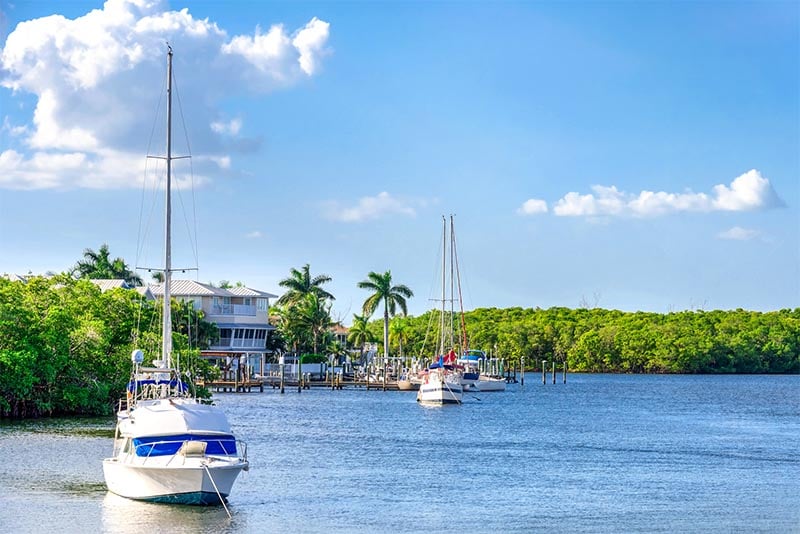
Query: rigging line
192, 242
159, 100
458, 278
153, 196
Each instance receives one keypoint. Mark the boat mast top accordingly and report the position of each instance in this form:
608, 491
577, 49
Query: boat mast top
166, 328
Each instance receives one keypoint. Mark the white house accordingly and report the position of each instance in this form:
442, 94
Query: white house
241, 315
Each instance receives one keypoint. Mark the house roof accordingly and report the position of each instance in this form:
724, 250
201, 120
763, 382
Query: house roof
106, 283
190, 288
15, 277
242, 291
339, 329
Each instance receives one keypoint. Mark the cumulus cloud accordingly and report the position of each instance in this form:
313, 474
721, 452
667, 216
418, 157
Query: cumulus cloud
97, 78
532, 206
738, 233
369, 208
747, 192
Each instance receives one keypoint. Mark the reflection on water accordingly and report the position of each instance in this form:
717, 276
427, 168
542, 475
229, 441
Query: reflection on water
122, 516
599, 454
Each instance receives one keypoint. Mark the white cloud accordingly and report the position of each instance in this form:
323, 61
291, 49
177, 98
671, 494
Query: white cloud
278, 56
747, 192
231, 127
97, 79
368, 208
310, 41
255, 234
739, 234
532, 206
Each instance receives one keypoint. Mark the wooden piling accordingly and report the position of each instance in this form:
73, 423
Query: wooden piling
544, 372
554, 371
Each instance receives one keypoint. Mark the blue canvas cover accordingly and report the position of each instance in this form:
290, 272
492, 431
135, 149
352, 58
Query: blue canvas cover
166, 445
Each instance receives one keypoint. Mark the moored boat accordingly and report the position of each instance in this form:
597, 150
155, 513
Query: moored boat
442, 383
169, 446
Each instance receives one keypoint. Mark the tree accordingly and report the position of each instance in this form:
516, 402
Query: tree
313, 313
99, 265
360, 333
391, 296
399, 329
301, 283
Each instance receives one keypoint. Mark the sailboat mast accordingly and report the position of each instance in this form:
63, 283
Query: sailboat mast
444, 284
452, 284
166, 327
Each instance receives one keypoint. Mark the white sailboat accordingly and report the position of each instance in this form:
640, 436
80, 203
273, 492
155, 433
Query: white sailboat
442, 383
168, 446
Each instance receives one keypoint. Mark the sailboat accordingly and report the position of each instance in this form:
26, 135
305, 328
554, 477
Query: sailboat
169, 446
442, 383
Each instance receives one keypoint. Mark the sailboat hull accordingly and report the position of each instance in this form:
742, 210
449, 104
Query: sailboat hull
438, 393
193, 483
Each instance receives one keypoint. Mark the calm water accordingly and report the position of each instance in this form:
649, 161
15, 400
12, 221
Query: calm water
603, 453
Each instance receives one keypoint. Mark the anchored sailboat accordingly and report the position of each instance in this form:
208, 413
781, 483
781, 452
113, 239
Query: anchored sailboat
168, 446
442, 383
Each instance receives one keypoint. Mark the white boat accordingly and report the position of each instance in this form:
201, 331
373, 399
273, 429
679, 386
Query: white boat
409, 380
470, 363
490, 383
442, 383
441, 386
170, 447
477, 376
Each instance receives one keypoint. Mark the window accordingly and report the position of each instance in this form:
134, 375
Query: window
262, 304
248, 301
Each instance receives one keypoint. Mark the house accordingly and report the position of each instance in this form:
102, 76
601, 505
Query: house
340, 333
241, 315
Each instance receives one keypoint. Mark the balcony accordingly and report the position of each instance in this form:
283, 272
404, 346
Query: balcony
238, 343
233, 309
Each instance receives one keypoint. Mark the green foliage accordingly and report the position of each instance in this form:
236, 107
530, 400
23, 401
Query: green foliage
383, 292
598, 340
65, 346
313, 358
99, 265
304, 311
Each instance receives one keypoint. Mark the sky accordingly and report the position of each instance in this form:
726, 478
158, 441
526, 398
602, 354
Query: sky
636, 156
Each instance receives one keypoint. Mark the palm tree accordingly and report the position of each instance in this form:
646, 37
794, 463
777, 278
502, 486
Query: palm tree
301, 283
392, 298
314, 313
398, 329
99, 265
360, 333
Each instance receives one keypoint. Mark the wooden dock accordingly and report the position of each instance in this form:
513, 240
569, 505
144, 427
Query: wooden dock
288, 383
233, 386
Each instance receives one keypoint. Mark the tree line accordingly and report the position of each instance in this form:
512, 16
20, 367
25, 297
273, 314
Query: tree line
65, 345
612, 341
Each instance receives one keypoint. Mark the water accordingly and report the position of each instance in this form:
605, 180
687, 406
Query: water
603, 453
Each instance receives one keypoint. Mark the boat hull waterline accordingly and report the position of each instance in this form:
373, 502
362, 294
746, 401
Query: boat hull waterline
202, 483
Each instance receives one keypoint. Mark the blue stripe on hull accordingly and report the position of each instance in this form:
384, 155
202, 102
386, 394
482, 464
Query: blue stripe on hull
199, 498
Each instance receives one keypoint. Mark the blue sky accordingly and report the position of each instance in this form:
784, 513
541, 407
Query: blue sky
639, 156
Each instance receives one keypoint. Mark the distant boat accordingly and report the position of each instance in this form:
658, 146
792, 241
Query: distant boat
476, 375
442, 383
409, 380
168, 446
